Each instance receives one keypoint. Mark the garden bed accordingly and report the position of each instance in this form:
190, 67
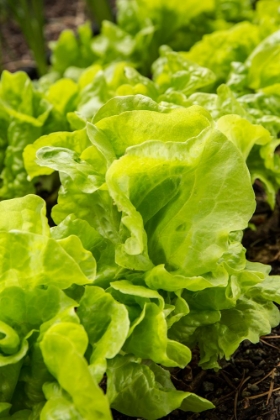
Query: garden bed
248, 385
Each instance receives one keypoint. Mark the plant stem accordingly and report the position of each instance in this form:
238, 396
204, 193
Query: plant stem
30, 16
100, 10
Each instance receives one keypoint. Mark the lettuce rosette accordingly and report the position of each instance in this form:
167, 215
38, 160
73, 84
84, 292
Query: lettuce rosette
144, 189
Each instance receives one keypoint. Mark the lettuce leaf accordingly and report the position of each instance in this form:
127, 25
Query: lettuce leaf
168, 171
218, 50
64, 345
130, 383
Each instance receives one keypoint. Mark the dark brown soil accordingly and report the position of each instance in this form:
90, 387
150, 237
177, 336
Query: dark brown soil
263, 244
59, 15
248, 386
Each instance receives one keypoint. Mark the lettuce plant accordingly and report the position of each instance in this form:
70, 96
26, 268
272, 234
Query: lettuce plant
145, 263
143, 26
25, 115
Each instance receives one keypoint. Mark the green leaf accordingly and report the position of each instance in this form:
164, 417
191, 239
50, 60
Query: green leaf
42, 261
106, 323
218, 50
242, 133
9, 376
71, 50
166, 208
130, 128
74, 248
76, 141
149, 340
64, 345
102, 249
248, 320
267, 290
26, 114
263, 63
62, 94
27, 214
19, 415
159, 278
145, 390
173, 72
58, 404
26, 310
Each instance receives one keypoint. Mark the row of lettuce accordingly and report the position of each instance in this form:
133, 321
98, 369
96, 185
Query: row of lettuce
145, 262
